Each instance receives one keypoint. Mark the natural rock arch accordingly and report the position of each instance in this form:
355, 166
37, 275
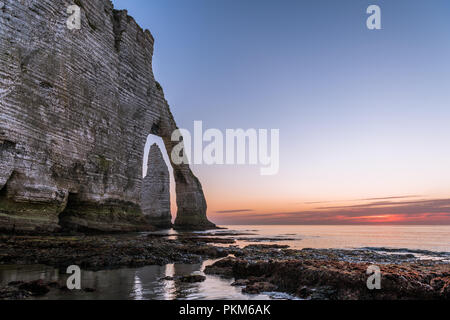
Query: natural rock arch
156, 185
74, 124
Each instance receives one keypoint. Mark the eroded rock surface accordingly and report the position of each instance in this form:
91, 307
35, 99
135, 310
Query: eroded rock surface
156, 190
76, 107
336, 280
308, 273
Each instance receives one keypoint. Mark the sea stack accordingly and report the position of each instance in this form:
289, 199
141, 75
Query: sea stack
76, 108
155, 198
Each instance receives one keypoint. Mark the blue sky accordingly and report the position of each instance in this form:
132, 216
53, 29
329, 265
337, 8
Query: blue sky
361, 113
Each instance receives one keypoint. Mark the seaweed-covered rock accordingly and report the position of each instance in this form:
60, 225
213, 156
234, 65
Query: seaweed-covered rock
192, 278
341, 280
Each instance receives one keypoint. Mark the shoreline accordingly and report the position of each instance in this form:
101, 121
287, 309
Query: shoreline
256, 268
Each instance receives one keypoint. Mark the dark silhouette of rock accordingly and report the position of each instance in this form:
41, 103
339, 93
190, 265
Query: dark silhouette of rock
76, 107
155, 200
258, 287
240, 283
192, 278
100, 252
37, 288
13, 293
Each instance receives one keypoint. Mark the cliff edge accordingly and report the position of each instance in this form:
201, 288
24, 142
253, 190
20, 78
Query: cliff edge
76, 107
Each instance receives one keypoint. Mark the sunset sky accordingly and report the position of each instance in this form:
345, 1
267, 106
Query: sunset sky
363, 115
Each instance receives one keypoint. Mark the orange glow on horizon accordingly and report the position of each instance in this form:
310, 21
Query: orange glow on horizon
389, 210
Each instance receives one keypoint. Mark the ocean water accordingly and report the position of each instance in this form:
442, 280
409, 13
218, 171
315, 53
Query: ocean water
432, 238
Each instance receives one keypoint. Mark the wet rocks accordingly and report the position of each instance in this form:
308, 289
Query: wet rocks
240, 283
100, 252
331, 279
18, 290
309, 273
259, 287
262, 239
201, 239
36, 288
266, 246
204, 250
442, 284
267, 252
192, 278
222, 267
13, 293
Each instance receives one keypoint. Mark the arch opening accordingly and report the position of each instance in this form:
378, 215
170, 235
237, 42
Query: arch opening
151, 140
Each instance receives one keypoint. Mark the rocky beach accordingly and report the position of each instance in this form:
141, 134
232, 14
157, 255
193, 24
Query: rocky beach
77, 109
316, 274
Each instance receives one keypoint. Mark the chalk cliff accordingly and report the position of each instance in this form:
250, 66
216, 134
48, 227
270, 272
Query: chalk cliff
76, 107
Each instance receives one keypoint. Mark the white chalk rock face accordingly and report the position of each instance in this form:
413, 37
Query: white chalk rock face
155, 199
76, 108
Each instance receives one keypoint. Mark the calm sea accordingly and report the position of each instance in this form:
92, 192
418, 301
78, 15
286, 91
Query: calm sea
433, 238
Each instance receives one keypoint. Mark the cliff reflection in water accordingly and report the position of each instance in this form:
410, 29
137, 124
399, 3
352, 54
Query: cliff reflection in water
133, 283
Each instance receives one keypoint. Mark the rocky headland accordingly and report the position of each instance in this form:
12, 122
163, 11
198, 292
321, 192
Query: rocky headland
76, 108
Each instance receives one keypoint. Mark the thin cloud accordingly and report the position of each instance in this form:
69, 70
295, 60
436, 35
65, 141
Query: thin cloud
234, 211
435, 211
366, 199
441, 203
391, 198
